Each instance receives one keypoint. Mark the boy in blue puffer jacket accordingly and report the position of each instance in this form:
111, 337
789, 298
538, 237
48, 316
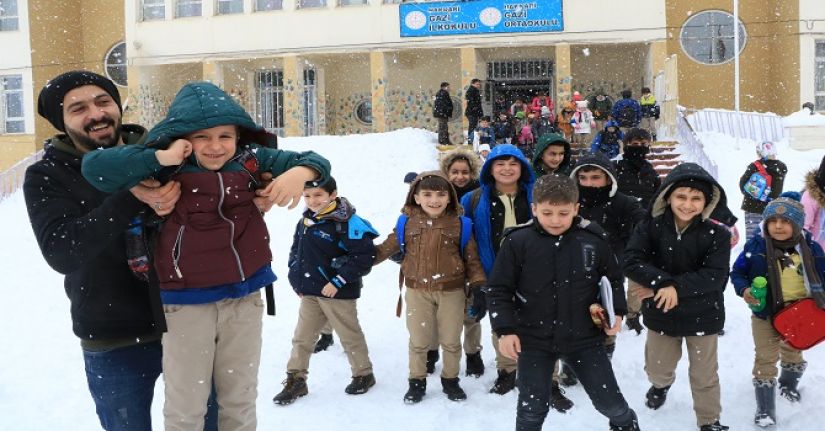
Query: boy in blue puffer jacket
331, 250
608, 141
794, 265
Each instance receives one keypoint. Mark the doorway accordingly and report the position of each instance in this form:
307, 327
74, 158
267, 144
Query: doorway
513, 79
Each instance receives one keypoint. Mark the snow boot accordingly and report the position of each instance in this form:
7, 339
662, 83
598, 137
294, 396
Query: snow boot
634, 324
294, 388
765, 402
323, 343
716, 426
452, 389
432, 358
789, 380
505, 382
566, 376
418, 387
475, 365
360, 384
609, 349
558, 401
656, 397
632, 426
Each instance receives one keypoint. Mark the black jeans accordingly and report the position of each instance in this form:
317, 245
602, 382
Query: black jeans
535, 377
443, 131
473, 120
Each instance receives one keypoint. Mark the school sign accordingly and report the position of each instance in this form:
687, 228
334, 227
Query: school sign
478, 17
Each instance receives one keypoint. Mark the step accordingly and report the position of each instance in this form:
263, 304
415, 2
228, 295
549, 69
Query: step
656, 163
662, 156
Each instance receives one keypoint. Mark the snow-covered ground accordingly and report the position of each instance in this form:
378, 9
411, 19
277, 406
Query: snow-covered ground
43, 386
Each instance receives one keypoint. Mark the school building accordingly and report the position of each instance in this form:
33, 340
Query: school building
305, 67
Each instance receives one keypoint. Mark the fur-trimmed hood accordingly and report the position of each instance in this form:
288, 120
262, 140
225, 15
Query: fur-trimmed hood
461, 153
410, 207
688, 172
813, 189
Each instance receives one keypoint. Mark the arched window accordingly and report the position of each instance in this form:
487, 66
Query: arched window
707, 37
363, 111
115, 64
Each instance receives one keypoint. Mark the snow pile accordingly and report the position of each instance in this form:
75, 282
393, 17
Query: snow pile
43, 385
803, 118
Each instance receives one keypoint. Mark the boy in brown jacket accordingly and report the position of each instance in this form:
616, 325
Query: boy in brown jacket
440, 262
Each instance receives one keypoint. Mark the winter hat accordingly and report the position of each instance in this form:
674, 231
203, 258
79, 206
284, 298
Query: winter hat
520, 115
50, 101
545, 111
577, 96
766, 150
703, 186
581, 104
787, 207
483, 147
410, 177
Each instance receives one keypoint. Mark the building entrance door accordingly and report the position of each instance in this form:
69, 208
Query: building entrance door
513, 79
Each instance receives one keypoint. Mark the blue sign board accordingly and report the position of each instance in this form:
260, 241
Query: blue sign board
480, 16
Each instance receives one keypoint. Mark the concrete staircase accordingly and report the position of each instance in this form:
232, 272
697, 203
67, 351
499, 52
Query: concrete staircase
663, 155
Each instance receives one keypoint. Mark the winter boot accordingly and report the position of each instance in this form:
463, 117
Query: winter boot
505, 382
716, 426
323, 343
789, 380
656, 397
294, 388
432, 358
634, 324
609, 349
452, 389
360, 384
632, 426
475, 365
566, 376
558, 401
418, 387
765, 402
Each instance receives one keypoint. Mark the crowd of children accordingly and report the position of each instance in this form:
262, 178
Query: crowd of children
482, 236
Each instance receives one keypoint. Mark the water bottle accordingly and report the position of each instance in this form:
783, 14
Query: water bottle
759, 290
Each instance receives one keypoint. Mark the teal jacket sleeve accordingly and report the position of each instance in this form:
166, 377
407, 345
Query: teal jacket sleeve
280, 161
119, 168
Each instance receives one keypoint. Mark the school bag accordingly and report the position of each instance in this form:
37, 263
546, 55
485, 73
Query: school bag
759, 183
627, 116
801, 324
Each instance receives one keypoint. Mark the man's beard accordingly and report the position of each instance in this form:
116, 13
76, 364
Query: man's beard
85, 142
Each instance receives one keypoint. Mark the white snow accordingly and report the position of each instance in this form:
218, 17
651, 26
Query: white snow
804, 118
43, 384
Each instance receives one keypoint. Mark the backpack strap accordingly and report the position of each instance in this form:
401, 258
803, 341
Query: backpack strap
400, 225
761, 169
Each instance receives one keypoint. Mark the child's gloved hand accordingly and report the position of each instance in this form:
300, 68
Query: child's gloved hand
177, 152
287, 188
478, 309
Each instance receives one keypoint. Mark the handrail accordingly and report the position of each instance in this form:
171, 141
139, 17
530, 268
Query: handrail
756, 126
691, 147
12, 178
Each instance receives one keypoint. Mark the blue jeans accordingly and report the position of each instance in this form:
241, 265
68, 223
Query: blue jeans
591, 366
122, 384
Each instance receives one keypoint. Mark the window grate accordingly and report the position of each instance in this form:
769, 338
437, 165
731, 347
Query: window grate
269, 100
12, 114
521, 70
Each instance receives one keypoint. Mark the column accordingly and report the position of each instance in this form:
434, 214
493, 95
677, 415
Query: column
293, 96
212, 72
563, 74
656, 56
378, 90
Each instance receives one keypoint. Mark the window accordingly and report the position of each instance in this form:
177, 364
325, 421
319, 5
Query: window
304, 4
269, 100
12, 118
188, 8
153, 10
115, 64
351, 2
819, 76
707, 37
262, 5
228, 7
363, 111
8, 15
392, 1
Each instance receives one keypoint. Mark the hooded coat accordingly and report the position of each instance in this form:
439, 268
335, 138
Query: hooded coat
695, 261
432, 246
607, 142
473, 162
216, 237
813, 200
637, 178
545, 141
486, 211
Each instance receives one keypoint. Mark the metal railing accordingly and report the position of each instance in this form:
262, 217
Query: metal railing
691, 148
12, 178
755, 126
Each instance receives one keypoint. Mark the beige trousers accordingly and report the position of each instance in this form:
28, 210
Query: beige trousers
443, 310
649, 124
472, 332
662, 354
634, 304
503, 362
220, 341
342, 316
769, 348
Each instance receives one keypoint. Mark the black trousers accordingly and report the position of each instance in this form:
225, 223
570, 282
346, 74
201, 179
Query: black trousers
591, 366
443, 131
471, 128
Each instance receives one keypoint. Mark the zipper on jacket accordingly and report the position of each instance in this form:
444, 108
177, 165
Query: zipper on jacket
231, 228
176, 251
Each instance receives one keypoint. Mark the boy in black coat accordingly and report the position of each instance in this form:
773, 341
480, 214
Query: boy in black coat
545, 278
681, 259
442, 111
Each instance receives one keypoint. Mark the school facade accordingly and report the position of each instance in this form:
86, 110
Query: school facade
304, 67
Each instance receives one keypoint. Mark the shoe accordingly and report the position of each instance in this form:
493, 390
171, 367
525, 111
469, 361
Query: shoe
360, 384
716, 426
505, 382
418, 387
789, 381
452, 389
323, 343
432, 358
633, 426
294, 388
566, 376
765, 403
558, 401
475, 365
656, 397
721, 332
634, 324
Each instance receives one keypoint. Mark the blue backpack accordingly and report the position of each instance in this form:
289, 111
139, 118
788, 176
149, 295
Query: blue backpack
758, 185
401, 224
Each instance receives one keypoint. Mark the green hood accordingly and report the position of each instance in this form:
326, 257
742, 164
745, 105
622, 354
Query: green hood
545, 141
202, 105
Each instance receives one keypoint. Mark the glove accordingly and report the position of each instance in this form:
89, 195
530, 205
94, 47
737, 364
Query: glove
478, 309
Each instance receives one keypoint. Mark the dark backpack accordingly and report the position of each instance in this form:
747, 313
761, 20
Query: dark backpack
627, 116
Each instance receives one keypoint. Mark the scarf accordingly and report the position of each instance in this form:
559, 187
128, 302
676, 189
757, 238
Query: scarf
778, 258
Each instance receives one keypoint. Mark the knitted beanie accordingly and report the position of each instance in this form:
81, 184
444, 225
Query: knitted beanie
50, 101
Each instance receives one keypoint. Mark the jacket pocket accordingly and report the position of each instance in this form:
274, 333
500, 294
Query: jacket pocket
176, 252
